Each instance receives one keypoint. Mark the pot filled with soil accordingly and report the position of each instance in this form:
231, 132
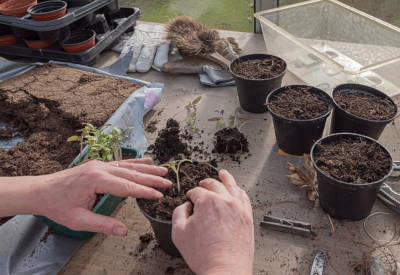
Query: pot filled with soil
256, 75
350, 171
299, 114
48, 10
79, 41
361, 109
185, 175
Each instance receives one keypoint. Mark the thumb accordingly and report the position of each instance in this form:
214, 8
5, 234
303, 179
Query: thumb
85, 220
181, 214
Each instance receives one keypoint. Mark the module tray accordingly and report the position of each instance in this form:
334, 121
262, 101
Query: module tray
123, 20
73, 14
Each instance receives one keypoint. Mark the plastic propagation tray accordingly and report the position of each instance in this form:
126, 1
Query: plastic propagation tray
105, 206
327, 43
73, 14
121, 22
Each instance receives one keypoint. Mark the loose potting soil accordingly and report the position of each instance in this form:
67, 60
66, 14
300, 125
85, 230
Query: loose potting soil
231, 141
190, 174
298, 103
168, 144
366, 106
355, 160
259, 69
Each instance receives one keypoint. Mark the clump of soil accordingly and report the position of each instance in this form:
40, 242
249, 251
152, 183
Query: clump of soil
357, 160
259, 69
47, 105
168, 144
146, 238
4, 220
190, 174
365, 105
231, 141
298, 103
152, 126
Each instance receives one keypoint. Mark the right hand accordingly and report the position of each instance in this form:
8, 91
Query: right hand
218, 238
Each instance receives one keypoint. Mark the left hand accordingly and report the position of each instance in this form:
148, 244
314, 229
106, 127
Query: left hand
67, 197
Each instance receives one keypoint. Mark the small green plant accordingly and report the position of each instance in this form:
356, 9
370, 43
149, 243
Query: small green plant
101, 146
174, 166
234, 120
192, 114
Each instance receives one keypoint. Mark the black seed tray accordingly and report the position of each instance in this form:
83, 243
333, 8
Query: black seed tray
123, 20
73, 15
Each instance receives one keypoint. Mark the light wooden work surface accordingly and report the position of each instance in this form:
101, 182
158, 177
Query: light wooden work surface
262, 176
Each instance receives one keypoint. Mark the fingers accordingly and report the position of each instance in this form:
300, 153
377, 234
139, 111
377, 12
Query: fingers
229, 182
85, 220
141, 161
140, 178
144, 168
214, 186
121, 187
197, 193
181, 213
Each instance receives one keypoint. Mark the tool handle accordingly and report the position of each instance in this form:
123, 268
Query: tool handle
286, 228
287, 222
219, 59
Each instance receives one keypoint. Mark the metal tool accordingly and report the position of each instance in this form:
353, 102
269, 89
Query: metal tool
287, 226
317, 267
388, 196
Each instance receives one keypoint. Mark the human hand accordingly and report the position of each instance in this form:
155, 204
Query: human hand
67, 197
218, 238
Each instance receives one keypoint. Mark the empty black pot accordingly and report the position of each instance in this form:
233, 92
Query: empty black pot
78, 3
295, 136
343, 121
253, 92
163, 233
344, 200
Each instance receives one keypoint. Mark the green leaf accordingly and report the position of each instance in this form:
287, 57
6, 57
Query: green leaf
73, 138
221, 125
193, 115
214, 119
196, 100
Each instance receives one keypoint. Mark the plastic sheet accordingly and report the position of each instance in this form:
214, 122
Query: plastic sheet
22, 250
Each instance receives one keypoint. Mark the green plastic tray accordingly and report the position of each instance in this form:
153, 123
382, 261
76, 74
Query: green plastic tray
104, 207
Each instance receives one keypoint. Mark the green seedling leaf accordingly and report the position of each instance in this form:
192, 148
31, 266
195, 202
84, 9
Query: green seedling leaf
193, 115
73, 138
196, 100
221, 125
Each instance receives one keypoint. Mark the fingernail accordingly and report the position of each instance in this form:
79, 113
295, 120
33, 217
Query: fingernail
163, 169
159, 195
119, 231
167, 182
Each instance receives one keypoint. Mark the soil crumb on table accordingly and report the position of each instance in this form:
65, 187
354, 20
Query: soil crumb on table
47, 105
365, 106
168, 144
298, 103
357, 160
231, 141
259, 69
151, 127
190, 175
146, 238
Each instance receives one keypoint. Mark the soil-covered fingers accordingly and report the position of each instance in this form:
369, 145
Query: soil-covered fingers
214, 185
85, 220
137, 177
230, 183
144, 168
121, 187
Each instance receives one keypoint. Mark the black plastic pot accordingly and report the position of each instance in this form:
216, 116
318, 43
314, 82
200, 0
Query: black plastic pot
344, 200
163, 233
111, 8
294, 136
343, 121
78, 3
253, 92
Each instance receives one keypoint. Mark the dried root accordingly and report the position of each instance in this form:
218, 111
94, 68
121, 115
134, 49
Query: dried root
304, 178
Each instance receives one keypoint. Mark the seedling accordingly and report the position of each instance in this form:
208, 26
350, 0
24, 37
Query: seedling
174, 166
101, 146
233, 121
192, 114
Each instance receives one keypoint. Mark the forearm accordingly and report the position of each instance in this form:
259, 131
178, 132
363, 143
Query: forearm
19, 195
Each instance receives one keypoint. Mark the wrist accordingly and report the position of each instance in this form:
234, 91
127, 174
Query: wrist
20, 195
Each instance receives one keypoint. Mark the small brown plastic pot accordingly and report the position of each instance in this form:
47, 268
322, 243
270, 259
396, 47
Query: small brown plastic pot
17, 8
7, 39
38, 44
79, 41
49, 10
